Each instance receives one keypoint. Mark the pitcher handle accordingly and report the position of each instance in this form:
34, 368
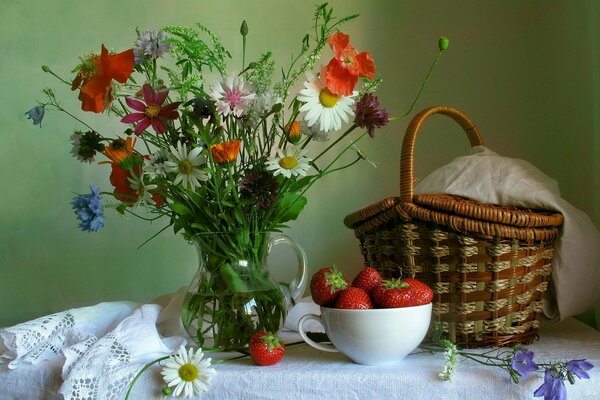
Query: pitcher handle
295, 289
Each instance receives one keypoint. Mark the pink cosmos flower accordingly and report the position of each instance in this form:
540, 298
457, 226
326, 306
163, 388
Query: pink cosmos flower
233, 95
151, 113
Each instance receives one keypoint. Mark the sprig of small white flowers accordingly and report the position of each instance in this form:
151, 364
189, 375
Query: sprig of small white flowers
451, 356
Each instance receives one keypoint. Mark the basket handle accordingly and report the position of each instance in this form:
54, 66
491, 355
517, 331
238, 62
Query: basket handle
408, 145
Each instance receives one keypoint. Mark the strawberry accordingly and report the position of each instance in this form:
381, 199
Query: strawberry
406, 292
326, 285
367, 279
266, 348
354, 298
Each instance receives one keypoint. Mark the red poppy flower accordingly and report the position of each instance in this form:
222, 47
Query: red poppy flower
346, 66
123, 190
97, 75
151, 113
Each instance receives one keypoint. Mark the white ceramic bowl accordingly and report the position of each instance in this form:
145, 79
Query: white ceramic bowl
372, 337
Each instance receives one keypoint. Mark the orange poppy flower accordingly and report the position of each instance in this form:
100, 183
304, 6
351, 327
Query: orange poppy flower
97, 74
225, 152
119, 150
346, 66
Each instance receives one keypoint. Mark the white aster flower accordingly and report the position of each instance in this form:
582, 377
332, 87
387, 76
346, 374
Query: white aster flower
266, 101
154, 167
142, 190
289, 162
185, 165
151, 44
323, 106
188, 372
451, 356
233, 95
314, 131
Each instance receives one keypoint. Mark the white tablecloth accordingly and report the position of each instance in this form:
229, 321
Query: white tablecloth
306, 373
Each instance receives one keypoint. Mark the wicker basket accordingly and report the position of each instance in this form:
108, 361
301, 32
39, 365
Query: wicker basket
487, 265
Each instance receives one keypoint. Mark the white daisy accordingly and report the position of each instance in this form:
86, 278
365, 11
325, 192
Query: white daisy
188, 372
142, 190
154, 167
289, 162
233, 95
185, 165
322, 105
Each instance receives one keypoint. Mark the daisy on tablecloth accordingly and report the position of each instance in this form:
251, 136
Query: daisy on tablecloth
188, 372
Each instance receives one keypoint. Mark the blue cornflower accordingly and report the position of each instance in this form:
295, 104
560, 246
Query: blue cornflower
523, 363
553, 387
36, 114
578, 368
89, 210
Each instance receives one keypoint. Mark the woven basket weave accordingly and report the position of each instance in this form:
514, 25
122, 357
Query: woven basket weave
488, 265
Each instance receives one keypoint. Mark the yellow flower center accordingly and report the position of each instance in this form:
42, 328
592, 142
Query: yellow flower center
188, 372
288, 162
152, 111
328, 99
185, 167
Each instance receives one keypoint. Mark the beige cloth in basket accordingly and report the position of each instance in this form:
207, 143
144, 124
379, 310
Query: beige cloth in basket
487, 177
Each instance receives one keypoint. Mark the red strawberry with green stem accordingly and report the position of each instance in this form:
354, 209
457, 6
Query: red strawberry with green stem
266, 348
368, 278
354, 298
406, 292
326, 285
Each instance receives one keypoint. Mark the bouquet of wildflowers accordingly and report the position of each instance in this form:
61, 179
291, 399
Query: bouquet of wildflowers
224, 160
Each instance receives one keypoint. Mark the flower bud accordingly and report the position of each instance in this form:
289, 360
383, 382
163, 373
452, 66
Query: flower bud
244, 28
167, 391
292, 132
443, 43
45, 68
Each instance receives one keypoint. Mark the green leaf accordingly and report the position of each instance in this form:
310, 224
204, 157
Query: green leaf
180, 209
232, 279
289, 207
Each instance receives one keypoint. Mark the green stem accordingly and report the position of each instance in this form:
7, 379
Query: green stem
348, 131
47, 69
437, 59
151, 363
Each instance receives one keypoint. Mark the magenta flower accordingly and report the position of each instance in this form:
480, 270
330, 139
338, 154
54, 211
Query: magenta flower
152, 113
369, 115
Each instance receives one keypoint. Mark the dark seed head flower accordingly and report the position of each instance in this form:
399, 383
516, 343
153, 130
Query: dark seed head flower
86, 145
202, 108
368, 114
36, 115
89, 210
260, 186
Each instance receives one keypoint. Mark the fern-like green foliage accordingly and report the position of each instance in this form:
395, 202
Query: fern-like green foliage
260, 73
184, 86
194, 52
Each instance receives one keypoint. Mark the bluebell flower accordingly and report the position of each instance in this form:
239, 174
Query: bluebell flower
578, 368
553, 387
89, 210
36, 114
523, 363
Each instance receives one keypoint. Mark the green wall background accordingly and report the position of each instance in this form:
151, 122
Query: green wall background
528, 74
